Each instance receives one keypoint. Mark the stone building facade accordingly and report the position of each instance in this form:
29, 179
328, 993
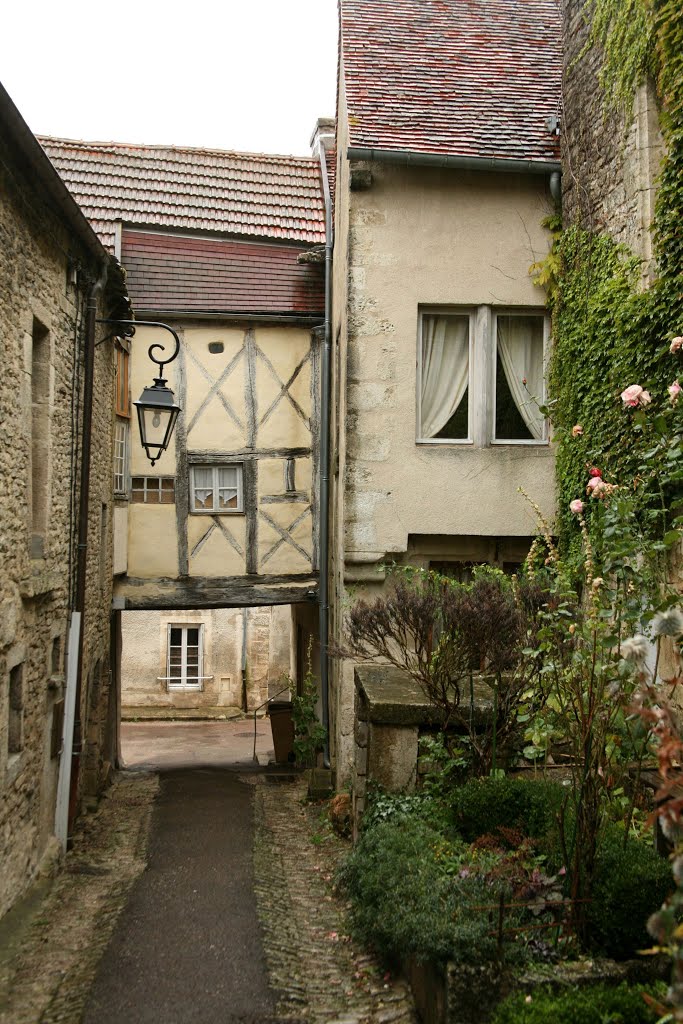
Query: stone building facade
610, 159
200, 663
437, 221
227, 518
49, 261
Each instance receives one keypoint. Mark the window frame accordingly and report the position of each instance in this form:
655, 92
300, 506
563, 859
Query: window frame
145, 489
470, 313
198, 683
122, 475
483, 352
122, 408
518, 311
215, 467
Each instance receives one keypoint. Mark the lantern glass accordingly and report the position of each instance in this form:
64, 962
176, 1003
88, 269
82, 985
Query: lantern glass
157, 415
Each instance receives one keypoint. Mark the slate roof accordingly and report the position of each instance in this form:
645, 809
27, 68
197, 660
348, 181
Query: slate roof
472, 78
191, 273
245, 194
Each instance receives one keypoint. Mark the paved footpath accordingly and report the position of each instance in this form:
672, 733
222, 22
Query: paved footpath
233, 920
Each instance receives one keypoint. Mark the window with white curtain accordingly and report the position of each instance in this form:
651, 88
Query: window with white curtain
445, 377
216, 488
481, 377
519, 377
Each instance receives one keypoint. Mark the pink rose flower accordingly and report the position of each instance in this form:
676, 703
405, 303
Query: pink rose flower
631, 396
594, 484
634, 396
676, 345
577, 431
674, 391
576, 506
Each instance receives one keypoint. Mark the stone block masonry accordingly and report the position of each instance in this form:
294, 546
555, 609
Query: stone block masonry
610, 163
46, 270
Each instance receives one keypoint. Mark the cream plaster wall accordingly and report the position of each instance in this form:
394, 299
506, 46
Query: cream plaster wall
144, 658
419, 237
255, 398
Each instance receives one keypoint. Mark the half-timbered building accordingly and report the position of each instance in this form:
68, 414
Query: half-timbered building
222, 247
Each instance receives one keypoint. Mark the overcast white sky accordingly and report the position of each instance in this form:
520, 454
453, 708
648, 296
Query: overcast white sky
248, 75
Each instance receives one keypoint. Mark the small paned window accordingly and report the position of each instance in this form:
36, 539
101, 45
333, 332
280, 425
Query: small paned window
185, 657
153, 490
216, 488
121, 428
122, 389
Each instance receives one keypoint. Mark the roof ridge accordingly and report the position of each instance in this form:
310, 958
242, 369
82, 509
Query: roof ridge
147, 147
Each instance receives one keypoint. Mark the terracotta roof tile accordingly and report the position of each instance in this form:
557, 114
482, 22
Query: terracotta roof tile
472, 78
247, 194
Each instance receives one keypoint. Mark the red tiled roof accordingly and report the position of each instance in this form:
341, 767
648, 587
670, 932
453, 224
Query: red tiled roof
172, 273
473, 78
248, 194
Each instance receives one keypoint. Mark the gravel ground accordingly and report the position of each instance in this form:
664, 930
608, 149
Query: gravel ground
48, 965
319, 973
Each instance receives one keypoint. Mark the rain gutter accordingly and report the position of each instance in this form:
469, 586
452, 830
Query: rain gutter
463, 163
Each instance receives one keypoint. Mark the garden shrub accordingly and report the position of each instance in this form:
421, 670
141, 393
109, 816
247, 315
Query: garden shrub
630, 883
406, 899
597, 1004
482, 806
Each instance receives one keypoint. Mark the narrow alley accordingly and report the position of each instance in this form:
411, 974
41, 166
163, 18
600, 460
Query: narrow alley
202, 893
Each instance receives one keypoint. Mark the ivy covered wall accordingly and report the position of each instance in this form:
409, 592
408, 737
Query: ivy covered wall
615, 310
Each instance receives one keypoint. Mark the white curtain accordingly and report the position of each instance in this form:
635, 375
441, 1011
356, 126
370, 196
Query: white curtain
520, 346
445, 369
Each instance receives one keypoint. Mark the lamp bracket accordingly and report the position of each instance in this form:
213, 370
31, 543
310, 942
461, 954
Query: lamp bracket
128, 330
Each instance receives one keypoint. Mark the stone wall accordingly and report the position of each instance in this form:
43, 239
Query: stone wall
266, 632
610, 161
44, 276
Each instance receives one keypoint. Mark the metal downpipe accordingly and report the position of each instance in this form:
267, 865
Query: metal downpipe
83, 512
324, 505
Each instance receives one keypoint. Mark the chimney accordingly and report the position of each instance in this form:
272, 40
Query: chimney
323, 134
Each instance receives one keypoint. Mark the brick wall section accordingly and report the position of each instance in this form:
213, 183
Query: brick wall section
609, 167
36, 248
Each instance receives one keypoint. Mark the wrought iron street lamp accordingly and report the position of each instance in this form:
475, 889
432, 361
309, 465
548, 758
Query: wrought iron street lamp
156, 406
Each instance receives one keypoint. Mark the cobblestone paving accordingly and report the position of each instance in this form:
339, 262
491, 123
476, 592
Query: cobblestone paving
47, 979
316, 970
319, 975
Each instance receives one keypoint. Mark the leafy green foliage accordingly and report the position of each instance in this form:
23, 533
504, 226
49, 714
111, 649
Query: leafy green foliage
482, 806
623, 30
309, 733
406, 901
629, 884
596, 1004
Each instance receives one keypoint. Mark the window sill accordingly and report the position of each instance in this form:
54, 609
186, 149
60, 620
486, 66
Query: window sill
217, 512
509, 443
457, 441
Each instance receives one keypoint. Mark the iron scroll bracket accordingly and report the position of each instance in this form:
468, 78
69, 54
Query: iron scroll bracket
128, 330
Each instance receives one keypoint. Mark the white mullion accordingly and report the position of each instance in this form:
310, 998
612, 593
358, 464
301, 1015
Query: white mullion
183, 656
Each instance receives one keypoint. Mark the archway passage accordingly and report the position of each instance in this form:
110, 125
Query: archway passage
196, 685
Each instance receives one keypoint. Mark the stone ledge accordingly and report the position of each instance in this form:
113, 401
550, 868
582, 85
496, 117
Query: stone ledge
132, 714
388, 696
38, 584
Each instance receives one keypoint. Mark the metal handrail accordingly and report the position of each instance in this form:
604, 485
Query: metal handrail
283, 690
